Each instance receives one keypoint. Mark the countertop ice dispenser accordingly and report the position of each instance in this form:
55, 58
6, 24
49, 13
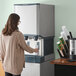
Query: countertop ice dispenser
37, 25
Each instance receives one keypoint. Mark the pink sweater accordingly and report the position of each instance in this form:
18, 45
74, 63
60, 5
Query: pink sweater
12, 52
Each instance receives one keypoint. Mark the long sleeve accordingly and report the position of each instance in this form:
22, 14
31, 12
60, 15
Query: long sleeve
0, 47
2, 54
23, 44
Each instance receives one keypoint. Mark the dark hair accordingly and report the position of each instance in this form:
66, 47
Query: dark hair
11, 24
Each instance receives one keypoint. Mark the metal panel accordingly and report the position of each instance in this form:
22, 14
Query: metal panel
31, 69
28, 18
46, 22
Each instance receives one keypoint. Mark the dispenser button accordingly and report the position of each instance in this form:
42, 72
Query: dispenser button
35, 38
26, 37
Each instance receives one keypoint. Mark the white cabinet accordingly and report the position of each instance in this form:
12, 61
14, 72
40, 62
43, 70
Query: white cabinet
31, 69
38, 69
36, 19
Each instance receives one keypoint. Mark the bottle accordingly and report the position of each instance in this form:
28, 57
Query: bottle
65, 30
63, 35
68, 34
61, 48
64, 44
37, 46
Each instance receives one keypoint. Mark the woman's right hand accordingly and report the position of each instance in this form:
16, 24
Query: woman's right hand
36, 50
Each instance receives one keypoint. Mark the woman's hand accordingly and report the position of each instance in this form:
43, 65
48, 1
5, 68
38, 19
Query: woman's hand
36, 50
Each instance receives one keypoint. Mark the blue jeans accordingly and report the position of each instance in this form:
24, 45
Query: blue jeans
9, 74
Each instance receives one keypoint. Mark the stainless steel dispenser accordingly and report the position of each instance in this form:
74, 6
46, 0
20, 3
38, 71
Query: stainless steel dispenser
72, 54
37, 25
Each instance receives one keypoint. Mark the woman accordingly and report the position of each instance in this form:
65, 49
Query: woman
12, 46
